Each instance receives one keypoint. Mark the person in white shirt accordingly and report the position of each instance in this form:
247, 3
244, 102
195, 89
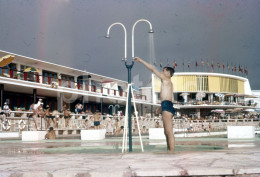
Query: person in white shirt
6, 109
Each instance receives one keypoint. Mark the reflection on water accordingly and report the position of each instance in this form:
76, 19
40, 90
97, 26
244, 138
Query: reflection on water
114, 145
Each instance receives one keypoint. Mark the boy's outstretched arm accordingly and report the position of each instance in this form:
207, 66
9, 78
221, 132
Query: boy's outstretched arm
150, 67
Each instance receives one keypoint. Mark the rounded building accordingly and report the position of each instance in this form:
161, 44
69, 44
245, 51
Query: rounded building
202, 93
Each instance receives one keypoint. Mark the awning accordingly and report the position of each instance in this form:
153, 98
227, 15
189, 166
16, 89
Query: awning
229, 94
251, 96
5, 60
32, 69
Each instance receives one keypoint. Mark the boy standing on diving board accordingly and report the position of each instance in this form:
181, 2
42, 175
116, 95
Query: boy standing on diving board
167, 100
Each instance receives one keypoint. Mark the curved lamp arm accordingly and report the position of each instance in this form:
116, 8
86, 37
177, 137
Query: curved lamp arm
108, 36
133, 28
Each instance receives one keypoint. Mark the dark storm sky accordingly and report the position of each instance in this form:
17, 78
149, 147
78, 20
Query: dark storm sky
71, 33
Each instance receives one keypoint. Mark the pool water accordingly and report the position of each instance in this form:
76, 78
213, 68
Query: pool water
114, 145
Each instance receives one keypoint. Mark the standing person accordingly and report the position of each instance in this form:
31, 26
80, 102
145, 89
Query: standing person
209, 127
97, 118
64, 108
167, 99
39, 103
41, 115
67, 117
55, 118
109, 126
48, 116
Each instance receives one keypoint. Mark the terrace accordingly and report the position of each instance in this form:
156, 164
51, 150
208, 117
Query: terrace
54, 80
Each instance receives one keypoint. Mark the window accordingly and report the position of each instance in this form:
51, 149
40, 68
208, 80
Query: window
202, 83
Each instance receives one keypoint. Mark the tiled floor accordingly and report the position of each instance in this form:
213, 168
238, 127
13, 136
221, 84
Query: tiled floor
73, 157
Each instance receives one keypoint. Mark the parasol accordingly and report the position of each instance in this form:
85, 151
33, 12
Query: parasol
229, 110
251, 96
229, 94
5, 60
200, 95
31, 69
239, 95
237, 110
185, 94
221, 111
220, 95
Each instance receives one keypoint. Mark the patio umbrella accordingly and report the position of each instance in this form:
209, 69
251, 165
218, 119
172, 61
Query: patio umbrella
229, 94
251, 96
236, 110
32, 69
220, 95
239, 95
5, 60
249, 110
184, 94
200, 95
221, 111
229, 110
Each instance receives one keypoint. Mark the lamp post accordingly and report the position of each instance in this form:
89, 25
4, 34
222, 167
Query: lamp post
129, 68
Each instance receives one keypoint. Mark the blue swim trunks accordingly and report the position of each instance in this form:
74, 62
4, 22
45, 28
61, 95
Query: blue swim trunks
167, 106
96, 123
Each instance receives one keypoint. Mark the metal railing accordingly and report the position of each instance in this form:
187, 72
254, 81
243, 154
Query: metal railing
54, 82
26, 122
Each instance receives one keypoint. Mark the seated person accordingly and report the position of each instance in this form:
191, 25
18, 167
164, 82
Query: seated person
19, 114
6, 109
144, 130
157, 124
2, 116
78, 108
51, 134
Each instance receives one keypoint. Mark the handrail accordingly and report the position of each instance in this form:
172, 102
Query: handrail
68, 84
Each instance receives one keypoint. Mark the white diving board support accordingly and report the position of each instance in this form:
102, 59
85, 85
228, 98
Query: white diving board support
124, 145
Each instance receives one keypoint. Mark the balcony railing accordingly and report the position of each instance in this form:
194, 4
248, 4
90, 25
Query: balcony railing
221, 103
25, 122
55, 82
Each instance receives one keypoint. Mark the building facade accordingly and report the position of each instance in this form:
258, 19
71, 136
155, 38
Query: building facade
203, 93
26, 79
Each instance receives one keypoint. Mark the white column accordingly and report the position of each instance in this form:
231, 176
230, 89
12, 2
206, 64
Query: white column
198, 112
60, 101
75, 82
18, 67
89, 85
83, 84
185, 98
211, 97
40, 77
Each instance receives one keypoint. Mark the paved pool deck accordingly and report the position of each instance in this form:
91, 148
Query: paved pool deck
207, 156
